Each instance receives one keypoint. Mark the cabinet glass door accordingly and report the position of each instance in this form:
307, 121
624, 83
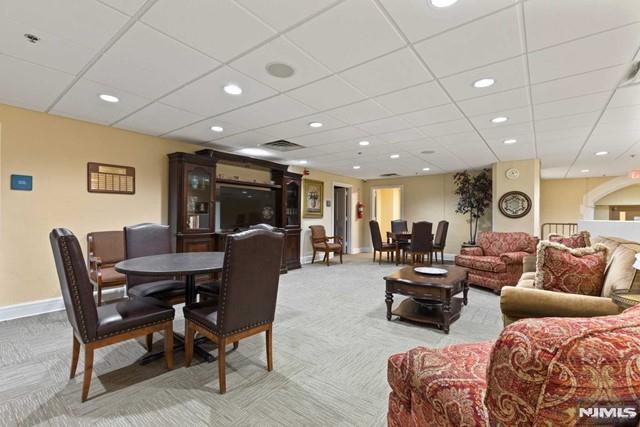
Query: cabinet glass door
293, 203
198, 199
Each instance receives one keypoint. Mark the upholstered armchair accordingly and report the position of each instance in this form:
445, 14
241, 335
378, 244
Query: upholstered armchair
320, 242
496, 260
538, 373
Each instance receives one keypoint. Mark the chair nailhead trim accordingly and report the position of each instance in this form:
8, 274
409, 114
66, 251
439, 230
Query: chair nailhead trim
73, 285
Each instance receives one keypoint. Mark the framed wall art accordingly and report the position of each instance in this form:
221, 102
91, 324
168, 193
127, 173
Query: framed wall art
312, 199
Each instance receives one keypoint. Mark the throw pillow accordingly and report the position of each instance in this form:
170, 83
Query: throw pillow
575, 271
579, 240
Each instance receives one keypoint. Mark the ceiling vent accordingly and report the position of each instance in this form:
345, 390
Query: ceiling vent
633, 78
389, 174
282, 145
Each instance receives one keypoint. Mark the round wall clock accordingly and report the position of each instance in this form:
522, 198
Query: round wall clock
512, 173
514, 204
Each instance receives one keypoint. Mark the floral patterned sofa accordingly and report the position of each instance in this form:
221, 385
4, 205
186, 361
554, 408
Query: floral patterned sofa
538, 373
496, 260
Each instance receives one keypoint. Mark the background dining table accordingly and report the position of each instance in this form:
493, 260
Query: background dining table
188, 264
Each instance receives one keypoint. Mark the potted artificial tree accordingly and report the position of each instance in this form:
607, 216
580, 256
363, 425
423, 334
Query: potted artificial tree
474, 191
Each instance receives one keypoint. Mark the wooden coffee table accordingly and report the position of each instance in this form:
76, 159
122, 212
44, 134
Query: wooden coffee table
432, 297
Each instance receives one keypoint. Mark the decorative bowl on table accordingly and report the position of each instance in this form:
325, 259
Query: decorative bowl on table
433, 271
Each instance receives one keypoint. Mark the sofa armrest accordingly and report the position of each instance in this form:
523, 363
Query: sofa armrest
513, 257
529, 264
471, 250
522, 303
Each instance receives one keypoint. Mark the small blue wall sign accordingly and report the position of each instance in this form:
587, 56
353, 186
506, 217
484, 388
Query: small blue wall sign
22, 182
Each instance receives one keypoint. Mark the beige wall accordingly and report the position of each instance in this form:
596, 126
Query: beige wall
626, 196
529, 183
428, 198
55, 151
388, 208
561, 199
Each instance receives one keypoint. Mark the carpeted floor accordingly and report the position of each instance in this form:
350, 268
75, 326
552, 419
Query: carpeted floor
331, 344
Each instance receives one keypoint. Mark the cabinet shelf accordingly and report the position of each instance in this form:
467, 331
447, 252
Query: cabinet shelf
247, 183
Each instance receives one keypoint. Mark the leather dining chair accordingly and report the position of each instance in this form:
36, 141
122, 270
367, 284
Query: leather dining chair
146, 240
421, 241
379, 245
105, 249
440, 240
400, 226
99, 326
247, 302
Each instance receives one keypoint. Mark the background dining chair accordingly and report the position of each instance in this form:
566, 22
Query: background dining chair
247, 302
399, 226
379, 245
95, 326
440, 240
320, 243
421, 241
146, 240
105, 249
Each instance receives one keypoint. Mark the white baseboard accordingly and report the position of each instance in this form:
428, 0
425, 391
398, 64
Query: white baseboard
34, 308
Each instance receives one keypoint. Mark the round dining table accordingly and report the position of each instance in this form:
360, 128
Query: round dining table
188, 264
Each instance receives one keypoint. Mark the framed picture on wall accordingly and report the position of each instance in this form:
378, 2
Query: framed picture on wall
313, 199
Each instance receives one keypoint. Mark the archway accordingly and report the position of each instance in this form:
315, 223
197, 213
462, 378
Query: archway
589, 200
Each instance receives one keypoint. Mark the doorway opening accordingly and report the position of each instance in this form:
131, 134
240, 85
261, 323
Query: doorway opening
386, 206
342, 215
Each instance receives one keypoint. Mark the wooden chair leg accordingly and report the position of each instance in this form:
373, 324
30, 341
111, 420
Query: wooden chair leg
236, 344
269, 349
442, 256
88, 370
75, 355
168, 344
188, 343
340, 257
374, 255
99, 295
313, 258
149, 342
222, 375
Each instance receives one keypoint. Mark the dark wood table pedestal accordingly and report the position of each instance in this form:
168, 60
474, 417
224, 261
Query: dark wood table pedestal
432, 299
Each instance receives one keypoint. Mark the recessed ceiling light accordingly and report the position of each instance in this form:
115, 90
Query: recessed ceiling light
602, 153
280, 70
364, 143
394, 156
217, 128
255, 152
584, 170
315, 124
426, 169
482, 83
108, 98
302, 162
499, 119
443, 3
428, 152
510, 141
32, 38
233, 89
356, 167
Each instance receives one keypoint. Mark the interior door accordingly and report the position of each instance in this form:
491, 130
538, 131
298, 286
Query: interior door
341, 215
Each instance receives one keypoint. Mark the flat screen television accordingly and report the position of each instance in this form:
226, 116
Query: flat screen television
241, 207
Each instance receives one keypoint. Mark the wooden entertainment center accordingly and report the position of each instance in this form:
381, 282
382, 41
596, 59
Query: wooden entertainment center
192, 200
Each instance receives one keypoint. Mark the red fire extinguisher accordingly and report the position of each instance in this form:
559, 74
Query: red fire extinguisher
360, 210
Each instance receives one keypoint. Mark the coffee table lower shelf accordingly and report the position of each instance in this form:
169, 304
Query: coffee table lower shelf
433, 314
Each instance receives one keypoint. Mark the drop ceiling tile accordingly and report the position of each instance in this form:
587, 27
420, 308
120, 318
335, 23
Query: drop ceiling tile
602, 50
326, 93
500, 101
52, 51
442, 113
360, 112
242, 140
282, 14
622, 115
29, 85
273, 110
157, 119
130, 7
280, 50
488, 40
206, 97
515, 116
410, 134
348, 34
572, 106
138, 63
87, 22
550, 22
419, 97
298, 127
391, 72
508, 74
218, 28
626, 97
557, 136
418, 19
349, 133
447, 128
577, 85
388, 124
583, 120
201, 131
519, 131
82, 102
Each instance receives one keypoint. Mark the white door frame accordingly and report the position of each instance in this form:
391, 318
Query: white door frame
349, 187
382, 187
